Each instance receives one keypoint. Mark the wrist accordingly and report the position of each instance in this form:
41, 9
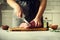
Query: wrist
37, 17
17, 7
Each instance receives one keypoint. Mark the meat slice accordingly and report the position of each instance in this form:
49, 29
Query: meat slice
31, 25
24, 25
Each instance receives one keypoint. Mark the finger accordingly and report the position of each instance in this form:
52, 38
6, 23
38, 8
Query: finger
39, 24
19, 15
36, 24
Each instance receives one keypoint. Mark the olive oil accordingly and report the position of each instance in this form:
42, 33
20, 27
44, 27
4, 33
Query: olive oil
45, 23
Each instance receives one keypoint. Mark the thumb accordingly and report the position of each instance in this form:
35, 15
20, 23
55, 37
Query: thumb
19, 15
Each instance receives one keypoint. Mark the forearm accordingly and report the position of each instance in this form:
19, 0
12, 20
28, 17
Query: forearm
41, 9
13, 4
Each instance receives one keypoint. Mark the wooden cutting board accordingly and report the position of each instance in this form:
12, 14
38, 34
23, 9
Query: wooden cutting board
28, 29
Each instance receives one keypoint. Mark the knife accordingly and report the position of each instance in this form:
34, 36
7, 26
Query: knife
25, 20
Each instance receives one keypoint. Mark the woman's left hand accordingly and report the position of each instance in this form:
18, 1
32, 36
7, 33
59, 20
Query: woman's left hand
37, 22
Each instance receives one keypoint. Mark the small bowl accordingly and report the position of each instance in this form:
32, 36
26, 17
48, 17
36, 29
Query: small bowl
5, 27
54, 26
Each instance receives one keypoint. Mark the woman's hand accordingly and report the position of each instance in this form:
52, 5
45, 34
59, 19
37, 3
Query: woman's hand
18, 12
37, 22
17, 8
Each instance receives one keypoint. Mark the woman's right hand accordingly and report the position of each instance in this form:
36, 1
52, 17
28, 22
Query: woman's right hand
16, 7
19, 12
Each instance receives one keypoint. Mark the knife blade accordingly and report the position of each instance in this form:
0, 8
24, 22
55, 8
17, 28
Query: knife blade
25, 20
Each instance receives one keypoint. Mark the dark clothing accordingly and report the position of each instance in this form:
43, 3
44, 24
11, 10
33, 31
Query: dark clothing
30, 8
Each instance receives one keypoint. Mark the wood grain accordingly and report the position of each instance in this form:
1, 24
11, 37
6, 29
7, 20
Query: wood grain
28, 29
